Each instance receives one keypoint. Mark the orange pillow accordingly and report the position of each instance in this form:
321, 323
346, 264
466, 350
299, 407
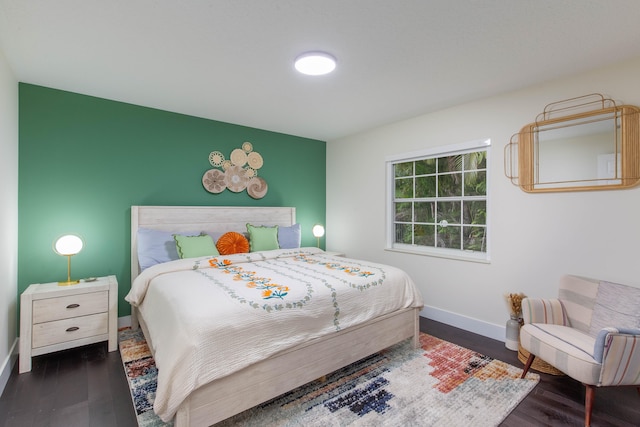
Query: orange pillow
232, 243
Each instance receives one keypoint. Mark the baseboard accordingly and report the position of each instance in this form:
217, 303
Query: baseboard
124, 322
7, 365
470, 324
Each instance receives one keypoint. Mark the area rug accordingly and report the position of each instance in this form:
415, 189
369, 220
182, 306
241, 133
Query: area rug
441, 384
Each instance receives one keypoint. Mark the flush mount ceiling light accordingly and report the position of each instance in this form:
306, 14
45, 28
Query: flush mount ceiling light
315, 63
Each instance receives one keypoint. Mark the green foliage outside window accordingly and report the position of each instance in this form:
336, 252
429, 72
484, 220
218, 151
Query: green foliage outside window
441, 202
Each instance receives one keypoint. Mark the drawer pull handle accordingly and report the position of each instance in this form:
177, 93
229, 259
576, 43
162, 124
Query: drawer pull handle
73, 306
72, 329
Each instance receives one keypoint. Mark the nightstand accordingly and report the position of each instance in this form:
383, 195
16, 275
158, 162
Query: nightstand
54, 318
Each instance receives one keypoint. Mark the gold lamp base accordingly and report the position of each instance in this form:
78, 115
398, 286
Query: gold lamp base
68, 281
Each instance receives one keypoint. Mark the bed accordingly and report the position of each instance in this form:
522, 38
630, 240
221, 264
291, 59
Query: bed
204, 392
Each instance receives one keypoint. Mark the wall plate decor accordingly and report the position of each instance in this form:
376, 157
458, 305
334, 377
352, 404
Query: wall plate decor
578, 144
237, 173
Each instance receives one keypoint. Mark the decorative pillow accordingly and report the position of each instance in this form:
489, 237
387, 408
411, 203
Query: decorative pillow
289, 237
232, 243
617, 306
157, 246
195, 246
263, 238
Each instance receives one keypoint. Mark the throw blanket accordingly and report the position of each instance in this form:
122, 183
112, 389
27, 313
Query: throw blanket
212, 316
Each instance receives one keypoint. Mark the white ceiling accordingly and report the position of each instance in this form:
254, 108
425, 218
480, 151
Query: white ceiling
232, 60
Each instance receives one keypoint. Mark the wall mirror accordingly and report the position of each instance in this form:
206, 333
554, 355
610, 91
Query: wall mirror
579, 144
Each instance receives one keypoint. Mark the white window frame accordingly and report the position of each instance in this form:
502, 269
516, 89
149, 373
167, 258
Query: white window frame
441, 151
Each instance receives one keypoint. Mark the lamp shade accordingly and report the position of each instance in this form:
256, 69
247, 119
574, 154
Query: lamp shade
317, 230
68, 245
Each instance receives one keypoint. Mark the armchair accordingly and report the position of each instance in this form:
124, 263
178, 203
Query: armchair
591, 332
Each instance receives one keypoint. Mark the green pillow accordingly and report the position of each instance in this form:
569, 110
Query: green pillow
195, 246
263, 238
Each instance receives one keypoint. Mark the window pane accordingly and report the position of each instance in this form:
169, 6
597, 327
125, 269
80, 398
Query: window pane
426, 166
449, 211
475, 212
403, 233
425, 212
403, 212
450, 164
403, 169
450, 185
449, 237
404, 188
426, 186
475, 239
424, 235
475, 183
476, 160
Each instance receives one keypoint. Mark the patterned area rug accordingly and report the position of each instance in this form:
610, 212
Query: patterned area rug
441, 384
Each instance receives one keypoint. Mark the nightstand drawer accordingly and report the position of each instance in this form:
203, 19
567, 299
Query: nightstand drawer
65, 330
46, 310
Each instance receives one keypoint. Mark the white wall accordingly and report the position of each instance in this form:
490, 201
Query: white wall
8, 218
535, 238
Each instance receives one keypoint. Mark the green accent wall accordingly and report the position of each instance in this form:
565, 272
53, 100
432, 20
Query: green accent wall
83, 161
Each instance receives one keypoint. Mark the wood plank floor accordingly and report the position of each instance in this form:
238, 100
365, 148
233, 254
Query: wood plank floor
87, 387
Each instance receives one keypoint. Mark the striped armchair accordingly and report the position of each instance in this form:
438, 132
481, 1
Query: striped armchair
591, 332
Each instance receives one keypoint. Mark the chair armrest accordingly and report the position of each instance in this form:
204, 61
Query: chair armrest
618, 350
544, 310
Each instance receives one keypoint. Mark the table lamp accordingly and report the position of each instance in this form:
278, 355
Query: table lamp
318, 232
68, 245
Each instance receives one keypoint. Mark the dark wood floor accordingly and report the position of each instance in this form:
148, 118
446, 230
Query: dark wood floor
87, 387
79, 387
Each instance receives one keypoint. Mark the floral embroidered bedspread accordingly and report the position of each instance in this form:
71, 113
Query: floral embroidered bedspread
212, 316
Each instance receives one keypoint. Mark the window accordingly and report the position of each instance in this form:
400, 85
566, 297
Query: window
437, 201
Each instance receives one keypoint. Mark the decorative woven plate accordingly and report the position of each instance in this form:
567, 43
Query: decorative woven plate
216, 158
257, 187
238, 157
235, 179
213, 181
255, 160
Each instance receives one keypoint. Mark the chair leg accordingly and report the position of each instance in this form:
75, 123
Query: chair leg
588, 404
528, 365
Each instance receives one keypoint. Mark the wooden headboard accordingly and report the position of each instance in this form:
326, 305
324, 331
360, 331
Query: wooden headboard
217, 219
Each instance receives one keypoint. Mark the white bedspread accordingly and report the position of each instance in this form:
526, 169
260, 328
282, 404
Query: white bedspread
210, 317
